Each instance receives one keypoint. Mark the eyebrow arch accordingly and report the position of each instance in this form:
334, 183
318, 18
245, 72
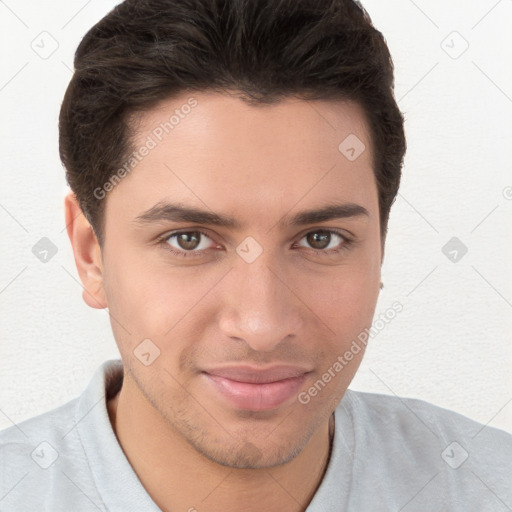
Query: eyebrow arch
171, 212
164, 211
328, 212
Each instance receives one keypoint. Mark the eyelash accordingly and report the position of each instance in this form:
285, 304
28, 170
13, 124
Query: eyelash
346, 244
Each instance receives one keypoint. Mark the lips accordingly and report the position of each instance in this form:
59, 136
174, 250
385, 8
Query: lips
256, 389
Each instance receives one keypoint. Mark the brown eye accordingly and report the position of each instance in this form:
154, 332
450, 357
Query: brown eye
319, 239
188, 241
325, 240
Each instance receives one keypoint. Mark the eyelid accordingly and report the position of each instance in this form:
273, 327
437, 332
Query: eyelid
344, 233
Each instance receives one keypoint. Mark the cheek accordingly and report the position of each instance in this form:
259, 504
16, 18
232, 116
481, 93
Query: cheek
344, 298
345, 301
347, 308
151, 299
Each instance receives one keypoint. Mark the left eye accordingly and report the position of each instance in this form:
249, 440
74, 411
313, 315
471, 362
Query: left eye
323, 239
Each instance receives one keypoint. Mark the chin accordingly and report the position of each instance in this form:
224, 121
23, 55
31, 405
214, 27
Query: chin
249, 456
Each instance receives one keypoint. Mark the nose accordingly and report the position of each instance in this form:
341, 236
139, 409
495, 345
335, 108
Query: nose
260, 307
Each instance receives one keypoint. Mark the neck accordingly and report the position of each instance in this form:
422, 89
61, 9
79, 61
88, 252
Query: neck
177, 477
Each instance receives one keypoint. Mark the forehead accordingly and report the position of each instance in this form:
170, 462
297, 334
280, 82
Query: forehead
214, 150
219, 118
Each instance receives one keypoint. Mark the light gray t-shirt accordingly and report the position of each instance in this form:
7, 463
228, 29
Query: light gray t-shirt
389, 454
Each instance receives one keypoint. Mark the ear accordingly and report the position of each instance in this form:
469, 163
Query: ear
382, 250
383, 237
87, 252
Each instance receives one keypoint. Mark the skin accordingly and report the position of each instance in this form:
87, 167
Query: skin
291, 305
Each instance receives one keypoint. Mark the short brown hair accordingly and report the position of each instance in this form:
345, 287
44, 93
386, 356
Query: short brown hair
145, 51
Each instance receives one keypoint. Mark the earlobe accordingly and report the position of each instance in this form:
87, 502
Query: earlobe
87, 253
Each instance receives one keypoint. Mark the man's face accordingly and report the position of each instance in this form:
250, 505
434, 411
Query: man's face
249, 316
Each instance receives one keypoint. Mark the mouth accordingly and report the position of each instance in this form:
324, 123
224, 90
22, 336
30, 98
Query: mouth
254, 389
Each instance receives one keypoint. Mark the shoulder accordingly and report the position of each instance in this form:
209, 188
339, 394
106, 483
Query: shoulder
43, 458
57, 426
51, 427
405, 416
413, 444
33, 455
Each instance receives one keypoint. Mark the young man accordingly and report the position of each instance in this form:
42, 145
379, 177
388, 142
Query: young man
233, 165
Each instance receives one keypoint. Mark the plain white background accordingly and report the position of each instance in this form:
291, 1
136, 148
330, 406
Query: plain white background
451, 344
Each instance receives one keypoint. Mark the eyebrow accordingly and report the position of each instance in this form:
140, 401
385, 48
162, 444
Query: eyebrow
170, 212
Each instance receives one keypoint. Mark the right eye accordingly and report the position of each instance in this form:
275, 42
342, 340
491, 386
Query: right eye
186, 243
